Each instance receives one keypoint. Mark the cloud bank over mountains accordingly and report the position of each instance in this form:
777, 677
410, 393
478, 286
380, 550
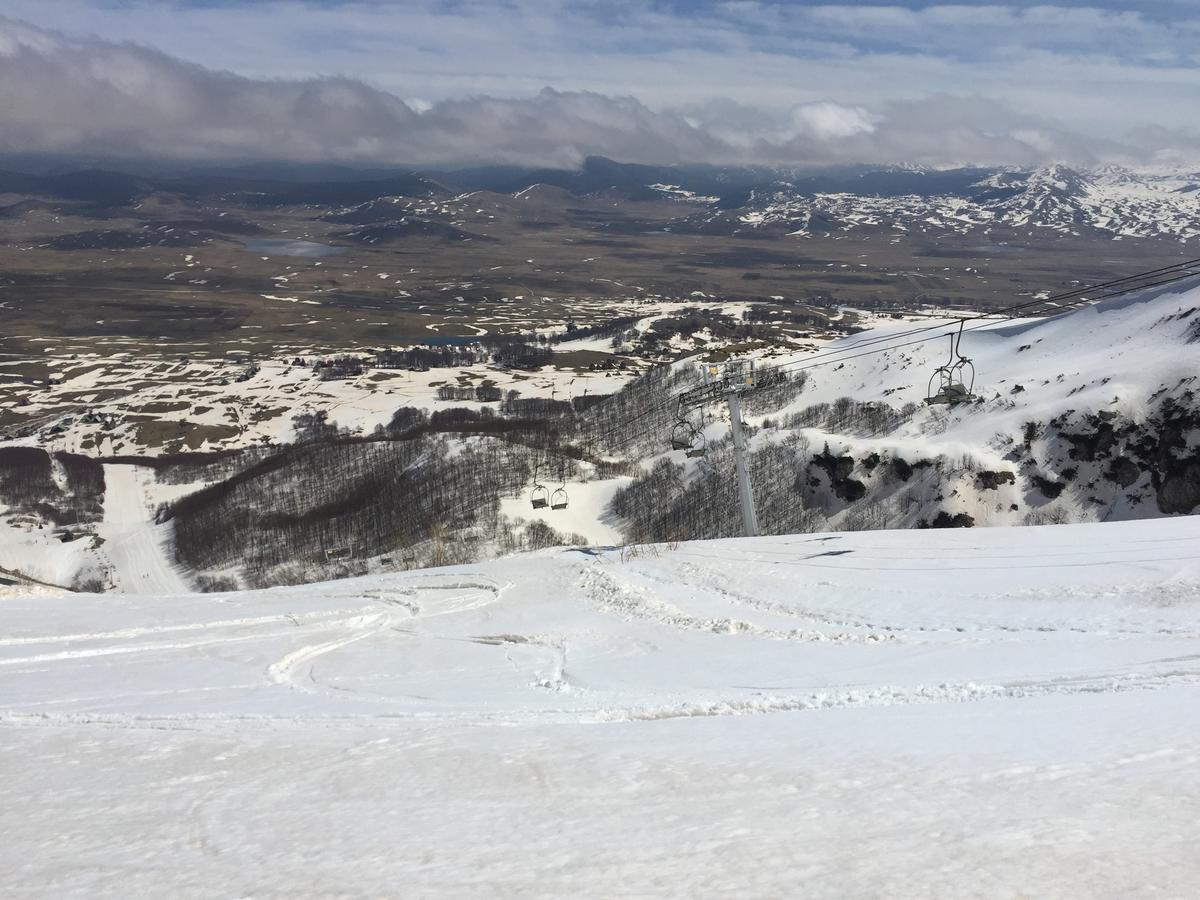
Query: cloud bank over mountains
108, 99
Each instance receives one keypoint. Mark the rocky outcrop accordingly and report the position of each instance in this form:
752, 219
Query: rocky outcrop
1163, 447
839, 469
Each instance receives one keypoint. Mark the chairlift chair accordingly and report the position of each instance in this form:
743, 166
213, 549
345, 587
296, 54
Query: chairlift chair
699, 442
686, 437
955, 379
681, 435
539, 496
558, 500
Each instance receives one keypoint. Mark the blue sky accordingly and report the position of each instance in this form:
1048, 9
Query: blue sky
1122, 79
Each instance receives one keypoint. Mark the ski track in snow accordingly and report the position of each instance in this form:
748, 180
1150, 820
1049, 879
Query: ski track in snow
639, 604
559, 723
360, 627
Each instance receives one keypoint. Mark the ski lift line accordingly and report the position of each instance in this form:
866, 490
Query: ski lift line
1183, 269
1109, 289
812, 362
1109, 293
1114, 288
819, 359
1117, 287
1178, 271
673, 400
1096, 293
1174, 267
1175, 271
943, 330
812, 564
1088, 300
943, 315
807, 363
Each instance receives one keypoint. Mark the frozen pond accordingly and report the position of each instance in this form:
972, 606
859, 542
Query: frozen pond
286, 247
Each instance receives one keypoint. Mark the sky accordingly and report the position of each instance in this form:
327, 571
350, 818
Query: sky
548, 82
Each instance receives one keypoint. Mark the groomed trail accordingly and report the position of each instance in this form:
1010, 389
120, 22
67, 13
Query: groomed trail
133, 543
958, 713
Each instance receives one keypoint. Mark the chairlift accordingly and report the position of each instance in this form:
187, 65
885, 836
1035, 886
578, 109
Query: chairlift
699, 445
539, 497
558, 499
681, 435
955, 379
686, 437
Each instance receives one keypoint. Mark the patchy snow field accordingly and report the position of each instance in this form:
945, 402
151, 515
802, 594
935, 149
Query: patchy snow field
995, 712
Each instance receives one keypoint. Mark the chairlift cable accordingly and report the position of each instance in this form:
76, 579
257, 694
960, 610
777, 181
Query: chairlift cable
1076, 298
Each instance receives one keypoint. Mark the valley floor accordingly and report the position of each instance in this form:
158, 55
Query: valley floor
959, 713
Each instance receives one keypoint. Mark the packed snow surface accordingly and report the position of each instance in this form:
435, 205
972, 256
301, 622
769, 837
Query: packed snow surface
992, 712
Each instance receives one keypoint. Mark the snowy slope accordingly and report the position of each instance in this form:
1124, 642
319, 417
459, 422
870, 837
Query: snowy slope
1109, 202
955, 713
1046, 387
135, 546
1112, 354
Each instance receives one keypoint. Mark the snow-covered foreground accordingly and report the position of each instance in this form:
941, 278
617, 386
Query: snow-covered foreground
925, 713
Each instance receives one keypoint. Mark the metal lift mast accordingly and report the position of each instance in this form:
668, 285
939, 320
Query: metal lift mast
728, 381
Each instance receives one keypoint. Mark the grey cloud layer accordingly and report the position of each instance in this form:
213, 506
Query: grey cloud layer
107, 99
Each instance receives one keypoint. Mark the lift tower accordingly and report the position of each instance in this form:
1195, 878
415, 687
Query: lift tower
728, 381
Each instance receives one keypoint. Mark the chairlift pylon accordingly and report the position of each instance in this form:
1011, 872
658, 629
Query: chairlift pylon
955, 379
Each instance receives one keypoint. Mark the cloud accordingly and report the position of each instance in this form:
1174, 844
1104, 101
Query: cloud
102, 99
826, 120
99, 98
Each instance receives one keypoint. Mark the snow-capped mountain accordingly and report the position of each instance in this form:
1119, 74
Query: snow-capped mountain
1111, 201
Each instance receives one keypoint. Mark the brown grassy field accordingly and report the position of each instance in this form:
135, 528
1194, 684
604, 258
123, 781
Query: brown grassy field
172, 272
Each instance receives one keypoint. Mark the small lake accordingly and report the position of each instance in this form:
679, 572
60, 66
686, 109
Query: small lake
285, 247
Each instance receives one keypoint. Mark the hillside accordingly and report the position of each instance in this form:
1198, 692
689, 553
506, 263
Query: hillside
1111, 203
1002, 712
1090, 415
